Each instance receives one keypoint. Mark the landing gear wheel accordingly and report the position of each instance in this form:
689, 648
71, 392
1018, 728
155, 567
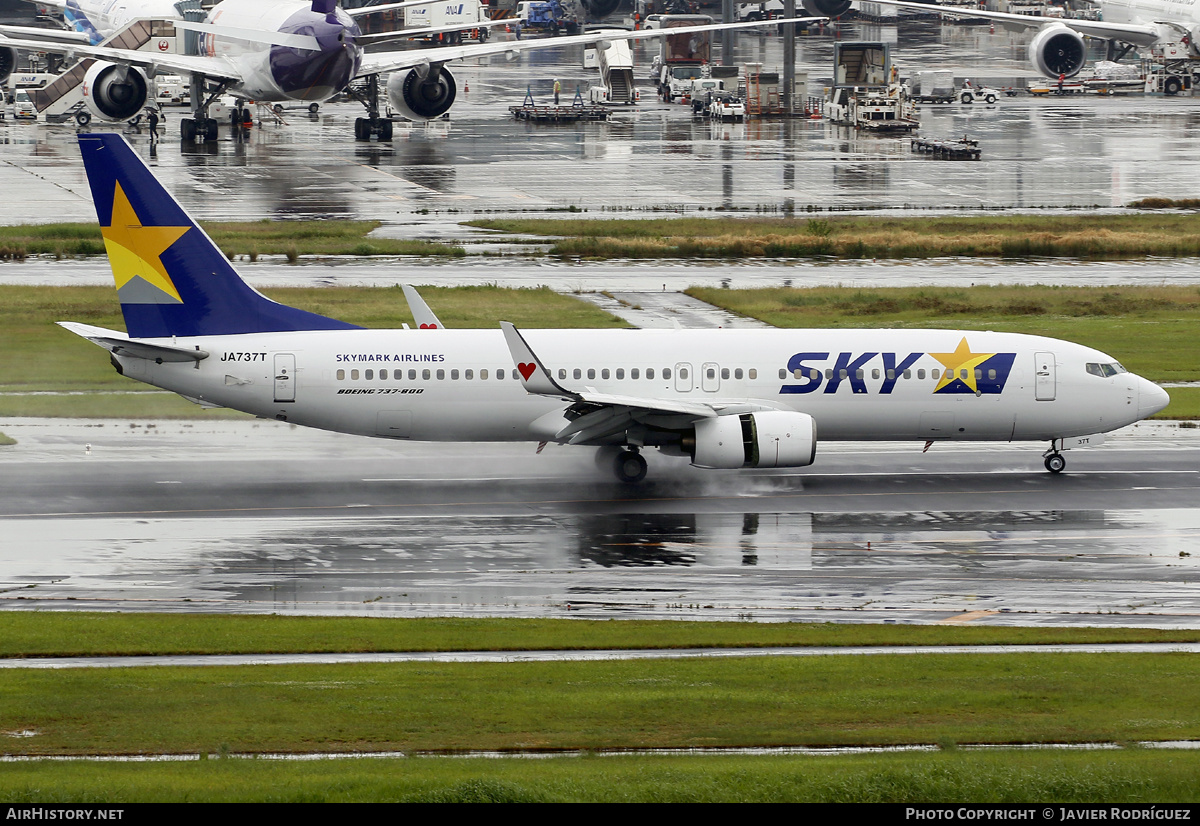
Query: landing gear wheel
1055, 463
210, 130
187, 129
630, 467
361, 132
385, 130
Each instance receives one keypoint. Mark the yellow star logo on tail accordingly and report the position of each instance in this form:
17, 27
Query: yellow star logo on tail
962, 358
134, 250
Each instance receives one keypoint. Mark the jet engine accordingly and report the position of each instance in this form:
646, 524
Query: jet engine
114, 92
8, 62
597, 9
773, 438
422, 93
825, 8
1057, 50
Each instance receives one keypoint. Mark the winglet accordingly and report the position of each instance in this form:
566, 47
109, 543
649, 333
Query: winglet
422, 315
534, 375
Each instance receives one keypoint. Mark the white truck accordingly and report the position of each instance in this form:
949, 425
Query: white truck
467, 13
749, 12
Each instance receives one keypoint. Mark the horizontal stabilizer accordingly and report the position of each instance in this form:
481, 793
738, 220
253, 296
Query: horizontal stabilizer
120, 344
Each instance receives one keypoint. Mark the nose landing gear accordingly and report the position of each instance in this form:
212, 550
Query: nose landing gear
1055, 462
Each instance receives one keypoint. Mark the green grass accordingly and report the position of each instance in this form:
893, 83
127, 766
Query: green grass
1093, 237
6, 440
1109, 778
81, 633
947, 700
684, 703
1151, 330
250, 239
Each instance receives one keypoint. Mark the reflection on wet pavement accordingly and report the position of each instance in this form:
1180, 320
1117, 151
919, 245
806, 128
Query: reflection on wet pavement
1084, 567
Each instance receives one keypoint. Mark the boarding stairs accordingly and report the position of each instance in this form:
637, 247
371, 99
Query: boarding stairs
63, 93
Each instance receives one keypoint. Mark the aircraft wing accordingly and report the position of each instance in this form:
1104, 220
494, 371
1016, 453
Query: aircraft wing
218, 68
592, 416
1137, 34
56, 36
392, 61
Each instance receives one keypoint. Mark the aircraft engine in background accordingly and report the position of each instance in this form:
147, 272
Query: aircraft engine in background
1056, 50
597, 9
825, 8
115, 92
8, 62
423, 93
773, 438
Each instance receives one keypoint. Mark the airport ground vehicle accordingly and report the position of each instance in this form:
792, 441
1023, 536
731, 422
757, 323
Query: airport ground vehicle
727, 107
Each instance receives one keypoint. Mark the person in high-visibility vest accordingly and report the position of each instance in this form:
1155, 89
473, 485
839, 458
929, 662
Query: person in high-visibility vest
557, 89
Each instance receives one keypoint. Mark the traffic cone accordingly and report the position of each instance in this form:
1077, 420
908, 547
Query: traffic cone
466, 87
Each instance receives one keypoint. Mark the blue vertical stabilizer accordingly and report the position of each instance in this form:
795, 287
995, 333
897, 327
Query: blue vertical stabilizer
172, 280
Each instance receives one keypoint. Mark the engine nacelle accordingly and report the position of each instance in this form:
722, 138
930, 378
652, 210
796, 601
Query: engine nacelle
8, 62
773, 438
115, 92
419, 98
825, 8
597, 9
1056, 50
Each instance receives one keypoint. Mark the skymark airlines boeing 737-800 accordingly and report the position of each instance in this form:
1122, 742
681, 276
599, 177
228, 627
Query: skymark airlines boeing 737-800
723, 398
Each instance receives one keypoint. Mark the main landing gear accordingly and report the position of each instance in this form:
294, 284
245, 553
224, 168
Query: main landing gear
630, 466
373, 124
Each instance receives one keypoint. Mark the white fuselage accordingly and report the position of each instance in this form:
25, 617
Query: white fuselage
259, 78
1184, 12
460, 385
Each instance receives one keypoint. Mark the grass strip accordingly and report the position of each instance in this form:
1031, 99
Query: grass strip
1089, 237
84, 633
6, 440
1115, 778
249, 238
1151, 330
685, 703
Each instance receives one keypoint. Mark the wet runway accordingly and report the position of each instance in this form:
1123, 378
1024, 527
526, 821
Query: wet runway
262, 517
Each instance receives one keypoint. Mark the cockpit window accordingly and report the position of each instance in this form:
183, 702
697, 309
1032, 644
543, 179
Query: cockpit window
1105, 370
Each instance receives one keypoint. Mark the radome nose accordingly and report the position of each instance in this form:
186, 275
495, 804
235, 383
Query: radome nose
1151, 398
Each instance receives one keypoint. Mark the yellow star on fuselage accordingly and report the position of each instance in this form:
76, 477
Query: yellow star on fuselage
134, 250
962, 358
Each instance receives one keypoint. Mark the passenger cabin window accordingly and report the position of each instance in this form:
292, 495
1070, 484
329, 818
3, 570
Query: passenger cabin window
483, 374
634, 373
591, 373
425, 374
441, 374
620, 373
468, 374
369, 374
354, 375
341, 374
604, 373
737, 372
666, 372
753, 372
650, 373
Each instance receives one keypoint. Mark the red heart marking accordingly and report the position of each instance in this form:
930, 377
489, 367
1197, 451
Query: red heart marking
526, 370
428, 326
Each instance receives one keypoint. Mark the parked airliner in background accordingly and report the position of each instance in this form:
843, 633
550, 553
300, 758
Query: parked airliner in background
1057, 49
269, 50
723, 398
